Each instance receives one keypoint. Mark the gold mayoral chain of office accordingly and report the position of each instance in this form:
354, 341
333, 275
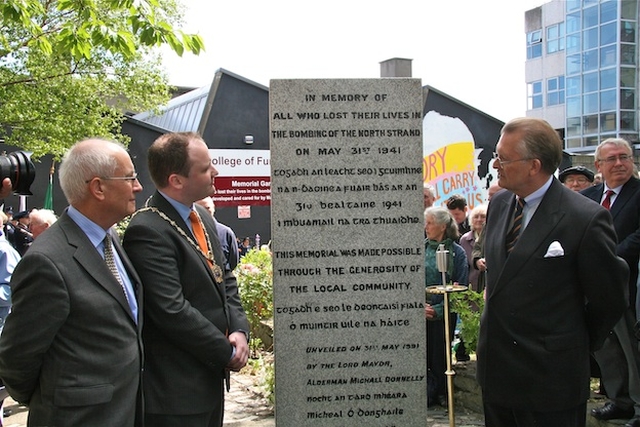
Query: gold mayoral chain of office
215, 268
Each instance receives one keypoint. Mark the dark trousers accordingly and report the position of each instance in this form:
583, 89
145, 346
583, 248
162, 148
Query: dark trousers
619, 362
500, 416
207, 419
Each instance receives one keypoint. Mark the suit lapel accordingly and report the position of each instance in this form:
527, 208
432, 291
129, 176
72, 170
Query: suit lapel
626, 193
544, 220
89, 258
133, 276
163, 205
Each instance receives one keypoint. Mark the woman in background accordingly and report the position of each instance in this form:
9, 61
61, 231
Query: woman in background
441, 229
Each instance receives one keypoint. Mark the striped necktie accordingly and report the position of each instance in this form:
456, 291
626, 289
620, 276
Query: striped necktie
514, 232
606, 203
111, 263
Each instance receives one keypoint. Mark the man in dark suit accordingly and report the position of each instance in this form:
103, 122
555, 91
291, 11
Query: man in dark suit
554, 286
195, 328
619, 359
71, 348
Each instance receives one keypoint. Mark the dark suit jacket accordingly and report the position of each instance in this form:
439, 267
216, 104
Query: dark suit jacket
70, 348
187, 314
544, 314
626, 221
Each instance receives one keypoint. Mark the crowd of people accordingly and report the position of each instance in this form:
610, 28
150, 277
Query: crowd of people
557, 262
555, 258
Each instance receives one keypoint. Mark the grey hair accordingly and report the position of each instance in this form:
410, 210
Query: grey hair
479, 209
618, 142
81, 164
442, 216
430, 188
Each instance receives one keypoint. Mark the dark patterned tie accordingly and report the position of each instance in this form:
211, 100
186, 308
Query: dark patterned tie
606, 203
514, 232
111, 263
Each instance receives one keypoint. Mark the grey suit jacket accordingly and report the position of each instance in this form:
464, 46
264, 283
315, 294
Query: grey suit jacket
70, 349
543, 314
187, 314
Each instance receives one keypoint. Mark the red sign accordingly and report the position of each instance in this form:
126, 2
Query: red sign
242, 190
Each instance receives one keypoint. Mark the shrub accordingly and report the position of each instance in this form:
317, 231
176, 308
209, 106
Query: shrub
469, 306
255, 283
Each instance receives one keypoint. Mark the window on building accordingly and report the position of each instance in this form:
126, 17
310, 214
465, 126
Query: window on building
590, 60
608, 78
573, 85
608, 33
534, 95
627, 99
591, 141
573, 22
574, 126
590, 16
534, 44
574, 143
590, 38
608, 11
590, 103
590, 124
627, 77
628, 32
589, 82
627, 54
627, 120
573, 5
555, 38
574, 106
607, 122
608, 100
629, 9
574, 64
608, 56
555, 91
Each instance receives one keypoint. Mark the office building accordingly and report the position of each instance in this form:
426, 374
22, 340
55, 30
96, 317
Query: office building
582, 70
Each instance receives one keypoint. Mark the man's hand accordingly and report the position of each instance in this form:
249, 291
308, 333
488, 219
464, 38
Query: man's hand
481, 264
239, 341
6, 189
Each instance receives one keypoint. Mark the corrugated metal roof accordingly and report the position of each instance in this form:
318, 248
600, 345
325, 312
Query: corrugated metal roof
182, 114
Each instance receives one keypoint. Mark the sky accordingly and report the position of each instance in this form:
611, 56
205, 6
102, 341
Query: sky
472, 50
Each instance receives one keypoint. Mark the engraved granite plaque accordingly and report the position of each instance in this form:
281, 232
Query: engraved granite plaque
348, 258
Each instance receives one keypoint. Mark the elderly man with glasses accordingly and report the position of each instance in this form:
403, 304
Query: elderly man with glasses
619, 359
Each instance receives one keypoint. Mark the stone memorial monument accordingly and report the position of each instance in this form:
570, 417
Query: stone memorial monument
348, 257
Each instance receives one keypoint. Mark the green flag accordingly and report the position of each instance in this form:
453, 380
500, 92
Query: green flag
48, 197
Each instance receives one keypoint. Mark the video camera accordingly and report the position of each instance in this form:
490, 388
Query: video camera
18, 167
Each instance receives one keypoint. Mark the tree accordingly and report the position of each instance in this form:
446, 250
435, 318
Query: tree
69, 68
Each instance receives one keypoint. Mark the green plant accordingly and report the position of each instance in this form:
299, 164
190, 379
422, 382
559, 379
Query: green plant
469, 306
255, 283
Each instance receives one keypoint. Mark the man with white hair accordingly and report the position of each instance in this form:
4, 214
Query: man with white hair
41, 219
82, 364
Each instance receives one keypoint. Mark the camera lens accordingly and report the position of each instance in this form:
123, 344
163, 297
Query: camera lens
20, 169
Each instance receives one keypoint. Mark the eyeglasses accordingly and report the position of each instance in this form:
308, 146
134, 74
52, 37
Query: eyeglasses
131, 178
506, 162
576, 180
613, 159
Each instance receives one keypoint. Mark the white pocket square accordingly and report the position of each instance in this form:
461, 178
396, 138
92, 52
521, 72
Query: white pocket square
555, 250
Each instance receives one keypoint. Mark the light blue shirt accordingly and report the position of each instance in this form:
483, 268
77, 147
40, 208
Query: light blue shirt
9, 258
183, 210
96, 235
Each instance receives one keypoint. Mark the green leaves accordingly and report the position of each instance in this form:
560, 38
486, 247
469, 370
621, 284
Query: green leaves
69, 68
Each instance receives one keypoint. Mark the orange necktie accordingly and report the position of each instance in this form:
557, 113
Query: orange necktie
198, 231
